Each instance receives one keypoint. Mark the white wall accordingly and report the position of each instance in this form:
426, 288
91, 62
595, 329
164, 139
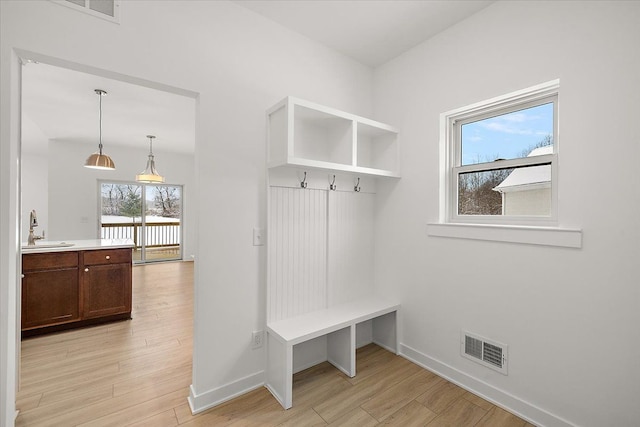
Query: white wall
240, 64
73, 189
569, 316
35, 193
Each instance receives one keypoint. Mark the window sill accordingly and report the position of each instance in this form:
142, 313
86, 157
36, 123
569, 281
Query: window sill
546, 236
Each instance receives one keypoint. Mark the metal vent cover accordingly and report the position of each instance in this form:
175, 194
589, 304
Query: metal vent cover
106, 9
486, 352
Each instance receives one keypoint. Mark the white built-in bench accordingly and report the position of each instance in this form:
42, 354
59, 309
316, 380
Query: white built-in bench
338, 323
321, 245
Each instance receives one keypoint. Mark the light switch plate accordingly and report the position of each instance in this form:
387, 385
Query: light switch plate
257, 236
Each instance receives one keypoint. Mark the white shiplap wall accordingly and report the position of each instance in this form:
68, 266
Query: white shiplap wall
350, 254
320, 249
297, 246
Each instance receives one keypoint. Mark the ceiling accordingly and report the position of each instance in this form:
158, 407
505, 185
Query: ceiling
60, 104
371, 32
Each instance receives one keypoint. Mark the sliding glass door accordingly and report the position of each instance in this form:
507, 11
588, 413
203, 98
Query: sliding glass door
157, 235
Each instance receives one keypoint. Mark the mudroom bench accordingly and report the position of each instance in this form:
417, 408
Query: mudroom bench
338, 323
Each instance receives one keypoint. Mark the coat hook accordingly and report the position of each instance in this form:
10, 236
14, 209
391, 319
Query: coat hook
303, 183
332, 186
357, 186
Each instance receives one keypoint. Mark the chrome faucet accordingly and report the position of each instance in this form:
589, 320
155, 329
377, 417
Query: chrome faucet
33, 222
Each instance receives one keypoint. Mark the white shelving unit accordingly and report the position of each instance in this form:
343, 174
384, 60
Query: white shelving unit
323, 165
309, 135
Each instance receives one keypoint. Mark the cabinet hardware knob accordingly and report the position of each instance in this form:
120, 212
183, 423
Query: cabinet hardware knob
22, 276
108, 257
86, 269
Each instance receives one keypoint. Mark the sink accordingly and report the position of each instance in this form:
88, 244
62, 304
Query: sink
47, 245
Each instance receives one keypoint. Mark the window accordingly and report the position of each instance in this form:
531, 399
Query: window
499, 171
156, 235
501, 157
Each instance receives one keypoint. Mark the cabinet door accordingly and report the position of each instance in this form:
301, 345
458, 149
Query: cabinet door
50, 297
106, 290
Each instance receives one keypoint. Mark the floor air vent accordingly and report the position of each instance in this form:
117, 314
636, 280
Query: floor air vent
488, 353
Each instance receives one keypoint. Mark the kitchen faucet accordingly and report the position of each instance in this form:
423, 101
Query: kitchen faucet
33, 222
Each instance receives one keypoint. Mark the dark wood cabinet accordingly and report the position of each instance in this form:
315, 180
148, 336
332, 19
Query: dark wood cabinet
50, 290
106, 282
66, 289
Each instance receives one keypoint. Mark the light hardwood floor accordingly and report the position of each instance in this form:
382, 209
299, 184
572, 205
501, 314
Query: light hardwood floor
137, 373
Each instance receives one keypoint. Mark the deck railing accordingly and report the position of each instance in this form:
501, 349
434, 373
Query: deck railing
157, 234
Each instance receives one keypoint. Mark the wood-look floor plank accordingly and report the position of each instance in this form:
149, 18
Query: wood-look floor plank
137, 373
180, 373
163, 419
460, 413
389, 401
183, 413
413, 414
27, 402
306, 418
77, 394
231, 411
141, 410
477, 400
497, 417
438, 398
356, 417
339, 404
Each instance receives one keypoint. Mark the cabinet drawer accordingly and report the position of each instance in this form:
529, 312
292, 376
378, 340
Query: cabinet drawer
50, 260
107, 256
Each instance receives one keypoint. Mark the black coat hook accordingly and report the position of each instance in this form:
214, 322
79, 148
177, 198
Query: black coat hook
357, 186
303, 183
333, 186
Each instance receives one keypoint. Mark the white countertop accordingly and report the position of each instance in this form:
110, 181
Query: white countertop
42, 246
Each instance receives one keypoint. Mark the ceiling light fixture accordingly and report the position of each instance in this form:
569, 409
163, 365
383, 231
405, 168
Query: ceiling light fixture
150, 174
99, 160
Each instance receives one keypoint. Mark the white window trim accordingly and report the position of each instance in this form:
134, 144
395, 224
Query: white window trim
529, 230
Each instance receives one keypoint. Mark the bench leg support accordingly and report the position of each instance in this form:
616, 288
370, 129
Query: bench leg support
280, 371
341, 350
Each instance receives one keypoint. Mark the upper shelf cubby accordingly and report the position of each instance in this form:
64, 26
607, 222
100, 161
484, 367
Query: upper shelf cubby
305, 134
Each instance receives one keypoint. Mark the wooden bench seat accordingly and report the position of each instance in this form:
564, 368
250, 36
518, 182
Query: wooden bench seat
338, 323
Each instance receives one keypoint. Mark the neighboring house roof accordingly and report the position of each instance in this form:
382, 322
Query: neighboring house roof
528, 178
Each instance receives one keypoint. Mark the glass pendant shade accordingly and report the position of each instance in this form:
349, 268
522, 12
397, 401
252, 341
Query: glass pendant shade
98, 160
150, 174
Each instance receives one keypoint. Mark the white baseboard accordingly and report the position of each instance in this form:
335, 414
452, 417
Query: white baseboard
209, 399
513, 404
386, 347
309, 364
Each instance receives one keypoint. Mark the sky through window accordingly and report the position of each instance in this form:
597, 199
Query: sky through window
506, 136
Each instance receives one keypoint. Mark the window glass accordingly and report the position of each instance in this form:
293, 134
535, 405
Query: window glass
507, 136
521, 191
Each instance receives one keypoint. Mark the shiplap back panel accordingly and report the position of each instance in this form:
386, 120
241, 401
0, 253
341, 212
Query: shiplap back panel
350, 255
297, 245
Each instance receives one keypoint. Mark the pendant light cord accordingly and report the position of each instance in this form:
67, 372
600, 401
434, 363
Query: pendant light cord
100, 127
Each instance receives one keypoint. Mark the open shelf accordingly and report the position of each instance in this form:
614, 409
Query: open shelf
305, 134
377, 147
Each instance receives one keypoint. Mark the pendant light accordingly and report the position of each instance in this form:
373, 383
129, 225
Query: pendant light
150, 174
98, 160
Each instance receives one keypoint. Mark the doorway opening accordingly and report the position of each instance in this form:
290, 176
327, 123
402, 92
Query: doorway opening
51, 149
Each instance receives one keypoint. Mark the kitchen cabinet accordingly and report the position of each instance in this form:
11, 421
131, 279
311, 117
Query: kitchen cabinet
50, 289
72, 288
106, 282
